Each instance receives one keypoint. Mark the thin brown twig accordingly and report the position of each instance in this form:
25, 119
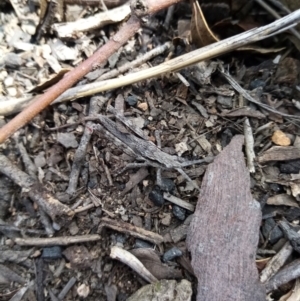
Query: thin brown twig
56, 241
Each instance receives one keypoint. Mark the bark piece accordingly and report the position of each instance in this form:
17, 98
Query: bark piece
223, 235
280, 153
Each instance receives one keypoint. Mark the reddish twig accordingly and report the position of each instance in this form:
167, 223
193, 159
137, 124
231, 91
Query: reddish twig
140, 8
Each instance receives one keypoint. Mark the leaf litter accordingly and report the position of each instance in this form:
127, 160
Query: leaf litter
68, 196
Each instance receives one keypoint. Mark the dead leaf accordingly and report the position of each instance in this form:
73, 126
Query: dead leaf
201, 35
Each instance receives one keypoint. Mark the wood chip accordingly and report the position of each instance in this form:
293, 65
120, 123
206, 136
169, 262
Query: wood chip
282, 199
280, 138
280, 153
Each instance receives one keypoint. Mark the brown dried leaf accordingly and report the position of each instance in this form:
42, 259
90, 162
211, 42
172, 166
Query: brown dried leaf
201, 34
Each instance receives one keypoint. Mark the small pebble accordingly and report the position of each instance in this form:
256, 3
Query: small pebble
171, 254
143, 106
179, 212
73, 228
167, 185
56, 226
83, 290
156, 196
52, 253
67, 140
131, 100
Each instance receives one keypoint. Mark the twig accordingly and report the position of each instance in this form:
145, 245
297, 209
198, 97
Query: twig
40, 277
56, 241
130, 260
134, 179
139, 61
107, 172
66, 289
276, 262
81, 209
45, 220
10, 105
269, 9
279, 4
130, 229
179, 202
249, 144
59, 269
285, 275
169, 17
238, 88
29, 165
127, 31
185, 60
36, 192
85, 139
67, 30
